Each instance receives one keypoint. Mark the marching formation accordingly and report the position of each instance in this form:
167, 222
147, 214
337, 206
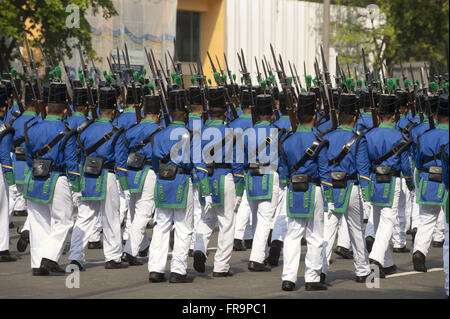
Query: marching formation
275, 162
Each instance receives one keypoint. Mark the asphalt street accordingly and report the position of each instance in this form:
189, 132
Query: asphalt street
16, 280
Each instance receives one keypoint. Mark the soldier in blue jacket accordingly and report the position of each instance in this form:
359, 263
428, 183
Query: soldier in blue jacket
6, 177
221, 181
51, 155
304, 161
172, 162
101, 160
431, 192
445, 175
349, 165
388, 154
243, 234
141, 177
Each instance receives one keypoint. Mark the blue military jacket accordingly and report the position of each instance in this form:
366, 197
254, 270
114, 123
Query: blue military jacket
133, 137
27, 118
302, 204
113, 153
354, 162
380, 141
41, 190
195, 124
126, 119
429, 144
364, 122
5, 149
172, 193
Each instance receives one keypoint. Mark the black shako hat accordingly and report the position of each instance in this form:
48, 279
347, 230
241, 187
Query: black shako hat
80, 96
282, 99
57, 93
107, 98
388, 104
177, 100
306, 103
443, 105
216, 97
152, 104
264, 105
245, 98
348, 104
194, 95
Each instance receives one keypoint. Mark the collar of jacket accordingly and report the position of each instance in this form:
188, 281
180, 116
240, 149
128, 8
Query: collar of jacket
284, 117
213, 122
53, 118
31, 113
238, 108
344, 128
129, 110
194, 115
102, 120
77, 114
177, 123
148, 121
262, 123
304, 128
246, 116
442, 126
387, 125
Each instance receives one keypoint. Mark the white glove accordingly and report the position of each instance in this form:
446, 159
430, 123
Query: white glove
330, 209
237, 204
208, 204
127, 195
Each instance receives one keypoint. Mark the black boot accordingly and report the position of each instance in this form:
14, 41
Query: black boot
287, 285
369, 243
199, 261
115, 265
437, 244
23, 241
419, 261
238, 245
11, 225
79, 265
380, 267
248, 243
343, 252
22, 213
274, 252
269, 239
40, 272
315, 286
228, 273
413, 234
176, 278
156, 277
95, 245
403, 249
258, 267
51, 266
131, 260
144, 253
390, 270
5, 257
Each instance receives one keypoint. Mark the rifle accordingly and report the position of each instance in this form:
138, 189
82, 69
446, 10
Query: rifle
96, 71
88, 84
328, 91
248, 81
203, 90
369, 89
47, 66
427, 101
385, 88
218, 64
295, 79
69, 111
323, 96
410, 103
287, 96
416, 95
137, 106
37, 95
13, 83
121, 83
298, 78
233, 90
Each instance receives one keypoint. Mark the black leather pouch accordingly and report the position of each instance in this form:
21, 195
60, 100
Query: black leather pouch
93, 165
300, 182
41, 167
136, 161
383, 174
167, 171
339, 179
20, 153
435, 174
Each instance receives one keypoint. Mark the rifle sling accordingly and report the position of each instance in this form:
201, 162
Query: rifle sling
48, 147
345, 150
101, 141
396, 149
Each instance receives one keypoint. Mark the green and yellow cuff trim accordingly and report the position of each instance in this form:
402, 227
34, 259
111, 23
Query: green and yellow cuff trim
238, 175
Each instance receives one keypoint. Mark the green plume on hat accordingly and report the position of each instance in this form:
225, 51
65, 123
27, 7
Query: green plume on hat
58, 71
352, 86
13, 72
315, 81
417, 82
303, 89
50, 74
173, 75
178, 80
91, 79
391, 85
242, 79
144, 72
108, 79
81, 76
263, 86
308, 80
397, 82
290, 79
105, 73
217, 77
224, 78
407, 83
234, 77
446, 86
360, 83
343, 85
192, 79
135, 76
272, 78
209, 81
434, 87
142, 79
151, 86
348, 83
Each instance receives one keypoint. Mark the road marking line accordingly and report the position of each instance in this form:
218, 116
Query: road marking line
413, 272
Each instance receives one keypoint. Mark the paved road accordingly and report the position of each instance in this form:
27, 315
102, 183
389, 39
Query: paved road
16, 280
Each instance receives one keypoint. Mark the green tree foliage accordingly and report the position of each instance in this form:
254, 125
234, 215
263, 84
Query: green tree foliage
48, 18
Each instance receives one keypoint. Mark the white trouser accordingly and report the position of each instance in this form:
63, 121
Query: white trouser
26, 225
159, 247
384, 219
429, 215
197, 215
399, 233
354, 220
141, 207
445, 256
314, 239
95, 236
86, 221
244, 222
224, 215
409, 209
123, 207
4, 213
263, 212
280, 220
415, 210
367, 207
50, 224
343, 234
16, 200
370, 231
439, 230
